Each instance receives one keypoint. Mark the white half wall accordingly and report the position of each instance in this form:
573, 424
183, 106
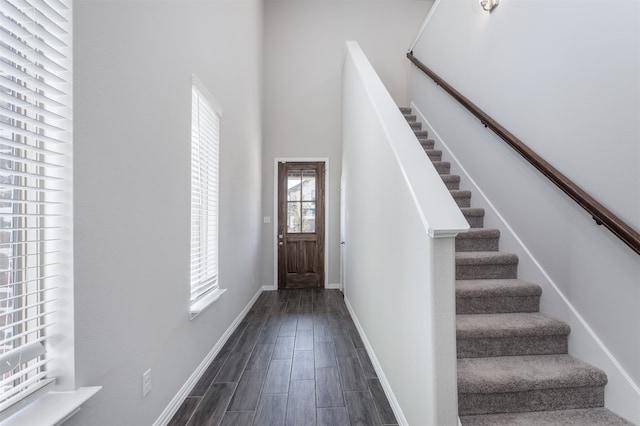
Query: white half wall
399, 227
303, 53
133, 66
565, 78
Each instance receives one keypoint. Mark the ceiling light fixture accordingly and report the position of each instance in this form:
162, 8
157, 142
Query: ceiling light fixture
489, 5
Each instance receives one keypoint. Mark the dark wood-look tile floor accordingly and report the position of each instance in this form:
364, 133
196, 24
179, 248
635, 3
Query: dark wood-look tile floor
296, 360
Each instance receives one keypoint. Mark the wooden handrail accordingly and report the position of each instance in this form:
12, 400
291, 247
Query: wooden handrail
600, 213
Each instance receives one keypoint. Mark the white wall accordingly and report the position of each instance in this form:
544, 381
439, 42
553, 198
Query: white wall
565, 78
303, 45
133, 66
399, 283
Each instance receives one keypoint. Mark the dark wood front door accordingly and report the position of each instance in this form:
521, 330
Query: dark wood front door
301, 225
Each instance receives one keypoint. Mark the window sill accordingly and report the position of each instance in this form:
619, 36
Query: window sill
205, 302
53, 408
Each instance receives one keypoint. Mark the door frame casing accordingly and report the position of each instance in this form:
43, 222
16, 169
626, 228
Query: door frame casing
277, 160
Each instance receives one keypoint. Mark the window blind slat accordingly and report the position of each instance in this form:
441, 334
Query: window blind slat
204, 193
34, 110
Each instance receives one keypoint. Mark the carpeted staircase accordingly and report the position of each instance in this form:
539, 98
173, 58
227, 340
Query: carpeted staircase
513, 365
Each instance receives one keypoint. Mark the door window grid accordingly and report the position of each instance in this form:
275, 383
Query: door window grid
301, 201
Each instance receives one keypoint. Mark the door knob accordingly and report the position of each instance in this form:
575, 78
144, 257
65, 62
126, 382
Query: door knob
280, 243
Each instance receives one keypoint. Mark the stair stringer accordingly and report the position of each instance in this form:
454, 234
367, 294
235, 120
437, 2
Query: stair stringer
622, 394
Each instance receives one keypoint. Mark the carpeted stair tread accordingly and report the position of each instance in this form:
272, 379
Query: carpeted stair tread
478, 239
415, 125
496, 296
421, 133
405, 110
410, 118
443, 167
461, 197
508, 325
496, 288
583, 417
451, 181
474, 216
526, 373
434, 154
485, 258
426, 142
480, 265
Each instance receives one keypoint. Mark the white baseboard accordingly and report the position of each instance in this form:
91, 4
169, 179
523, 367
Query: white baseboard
393, 401
191, 382
269, 287
334, 286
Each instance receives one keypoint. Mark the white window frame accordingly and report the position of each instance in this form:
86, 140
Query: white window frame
37, 382
206, 114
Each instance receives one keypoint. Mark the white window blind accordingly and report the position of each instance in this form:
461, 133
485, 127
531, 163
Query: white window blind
34, 178
205, 149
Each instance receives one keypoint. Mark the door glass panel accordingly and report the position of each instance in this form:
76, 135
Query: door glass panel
294, 184
294, 224
308, 185
309, 217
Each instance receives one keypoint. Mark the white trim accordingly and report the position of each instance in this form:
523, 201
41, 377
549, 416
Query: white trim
528, 253
333, 286
54, 408
269, 287
210, 98
191, 382
205, 302
423, 27
277, 160
388, 391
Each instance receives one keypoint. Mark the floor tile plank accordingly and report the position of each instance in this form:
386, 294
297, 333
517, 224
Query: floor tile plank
271, 410
304, 340
325, 355
301, 405
247, 394
382, 403
361, 408
260, 357
213, 405
352, 376
328, 388
365, 362
185, 411
283, 348
303, 366
233, 367
238, 418
278, 376
337, 416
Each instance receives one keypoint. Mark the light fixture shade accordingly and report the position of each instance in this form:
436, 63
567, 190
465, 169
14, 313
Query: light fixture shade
489, 5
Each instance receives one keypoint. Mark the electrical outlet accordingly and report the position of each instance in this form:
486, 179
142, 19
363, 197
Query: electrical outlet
146, 382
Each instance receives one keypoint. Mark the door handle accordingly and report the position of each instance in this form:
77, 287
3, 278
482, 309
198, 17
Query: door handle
280, 243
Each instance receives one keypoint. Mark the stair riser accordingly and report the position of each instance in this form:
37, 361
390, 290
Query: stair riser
463, 202
415, 125
475, 221
497, 305
421, 133
443, 168
434, 156
534, 400
487, 271
410, 118
451, 184
477, 244
405, 110
512, 346
427, 143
